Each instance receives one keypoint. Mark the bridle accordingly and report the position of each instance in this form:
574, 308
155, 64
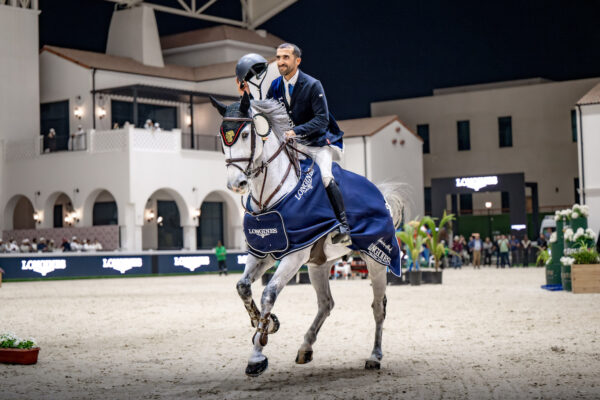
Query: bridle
251, 171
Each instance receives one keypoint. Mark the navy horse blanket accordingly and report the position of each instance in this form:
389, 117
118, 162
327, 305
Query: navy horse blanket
304, 215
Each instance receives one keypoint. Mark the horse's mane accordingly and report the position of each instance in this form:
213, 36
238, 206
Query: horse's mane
276, 113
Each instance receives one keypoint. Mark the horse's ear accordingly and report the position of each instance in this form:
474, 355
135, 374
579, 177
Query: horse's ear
245, 103
218, 105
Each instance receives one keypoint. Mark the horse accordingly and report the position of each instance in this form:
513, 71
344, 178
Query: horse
260, 161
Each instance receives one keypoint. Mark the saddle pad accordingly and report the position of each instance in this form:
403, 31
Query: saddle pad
265, 232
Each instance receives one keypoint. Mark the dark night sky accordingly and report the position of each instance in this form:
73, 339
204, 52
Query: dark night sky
366, 51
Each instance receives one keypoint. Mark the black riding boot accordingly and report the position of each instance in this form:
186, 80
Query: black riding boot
337, 202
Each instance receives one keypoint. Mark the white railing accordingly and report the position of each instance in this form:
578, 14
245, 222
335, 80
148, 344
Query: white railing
28, 4
108, 141
201, 142
151, 140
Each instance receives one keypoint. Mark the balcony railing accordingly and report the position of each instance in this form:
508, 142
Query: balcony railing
75, 142
201, 142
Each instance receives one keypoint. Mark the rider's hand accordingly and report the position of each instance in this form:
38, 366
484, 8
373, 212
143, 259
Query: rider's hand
290, 134
242, 87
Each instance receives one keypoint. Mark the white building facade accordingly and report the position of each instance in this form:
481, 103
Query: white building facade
137, 189
526, 126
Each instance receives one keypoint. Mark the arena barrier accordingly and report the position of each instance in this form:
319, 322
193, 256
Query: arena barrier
73, 265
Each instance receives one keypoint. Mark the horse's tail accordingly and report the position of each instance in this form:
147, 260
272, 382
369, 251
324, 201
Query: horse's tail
397, 197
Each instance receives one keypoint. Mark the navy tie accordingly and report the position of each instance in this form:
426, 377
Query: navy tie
291, 89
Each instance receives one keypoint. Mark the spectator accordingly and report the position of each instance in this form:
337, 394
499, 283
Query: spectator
503, 245
77, 139
50, 139
515, 246
541, 242
526, 246
156, 127
97, 245
488, 248
116, 125
42, 247
496, 250
221, 252
65, 246
3, 248
457, 249
477, 245
12, 247
148, 125
25, 246
50, 248
34, 245
342, 267
75, 245
88, 246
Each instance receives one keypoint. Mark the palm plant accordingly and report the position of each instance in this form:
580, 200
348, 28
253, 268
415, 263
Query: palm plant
433, 241
413, 237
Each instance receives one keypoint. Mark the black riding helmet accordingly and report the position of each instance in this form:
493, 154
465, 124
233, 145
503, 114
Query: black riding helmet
250, 66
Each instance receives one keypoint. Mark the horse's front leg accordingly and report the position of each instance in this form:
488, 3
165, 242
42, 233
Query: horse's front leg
377, 273
288, 267
319, 278
255, 268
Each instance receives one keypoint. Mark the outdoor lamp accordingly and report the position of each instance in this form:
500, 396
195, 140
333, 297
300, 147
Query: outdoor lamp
37, 217
196, 213
78, 112
149, 215
488, 204
101, 112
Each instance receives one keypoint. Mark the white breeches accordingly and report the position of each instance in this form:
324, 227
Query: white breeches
324, 156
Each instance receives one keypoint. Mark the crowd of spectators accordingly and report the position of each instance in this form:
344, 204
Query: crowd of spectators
48, 246
76, 142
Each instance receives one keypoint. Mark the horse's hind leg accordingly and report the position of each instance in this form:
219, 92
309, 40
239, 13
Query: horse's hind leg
288, 267
377, 272
255, 268
319, 278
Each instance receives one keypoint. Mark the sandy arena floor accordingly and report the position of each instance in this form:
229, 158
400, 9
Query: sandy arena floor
482, 334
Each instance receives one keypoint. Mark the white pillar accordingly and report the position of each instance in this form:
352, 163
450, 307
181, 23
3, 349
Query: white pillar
189, 237
131, 230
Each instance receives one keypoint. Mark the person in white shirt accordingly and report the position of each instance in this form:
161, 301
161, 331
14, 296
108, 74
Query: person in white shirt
97, 245
343, 268
12, 246
77, 139
25, 246
148, 125
75, 245
3, 248
156, 127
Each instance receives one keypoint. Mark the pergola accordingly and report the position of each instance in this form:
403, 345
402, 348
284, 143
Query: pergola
149, 92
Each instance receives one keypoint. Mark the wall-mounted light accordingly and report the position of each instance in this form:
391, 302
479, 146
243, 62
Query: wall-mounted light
488, 204
72, 218
159, 221
101, 112
196, 212
37, 217
188, 120
150, 215
78, 112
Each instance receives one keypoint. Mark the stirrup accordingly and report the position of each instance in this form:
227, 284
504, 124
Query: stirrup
342, 236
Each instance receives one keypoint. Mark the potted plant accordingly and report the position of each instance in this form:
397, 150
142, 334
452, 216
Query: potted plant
413, 238
17, 351
581, 265
434, 243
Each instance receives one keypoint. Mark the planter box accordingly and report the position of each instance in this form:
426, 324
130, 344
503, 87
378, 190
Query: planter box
431, 277
585, 278
414, 277
19, 356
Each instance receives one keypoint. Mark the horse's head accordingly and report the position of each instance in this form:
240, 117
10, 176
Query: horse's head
239, 133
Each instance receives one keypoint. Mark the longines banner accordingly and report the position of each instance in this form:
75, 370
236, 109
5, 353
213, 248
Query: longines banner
69, 265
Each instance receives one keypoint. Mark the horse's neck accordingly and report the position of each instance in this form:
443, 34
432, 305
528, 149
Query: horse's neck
276, 172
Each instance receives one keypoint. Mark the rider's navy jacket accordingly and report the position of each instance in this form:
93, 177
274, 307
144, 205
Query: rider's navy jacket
309, 111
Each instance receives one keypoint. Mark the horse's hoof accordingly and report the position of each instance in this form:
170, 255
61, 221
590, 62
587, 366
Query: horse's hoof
304, 357
372, 364
274, 326
255, 370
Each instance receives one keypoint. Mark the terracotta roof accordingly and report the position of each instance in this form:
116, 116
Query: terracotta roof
370, 126
89, 59
217, 33
591, 97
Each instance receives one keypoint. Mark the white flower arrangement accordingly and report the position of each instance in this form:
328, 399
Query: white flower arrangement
11, 341
569, 235
567, 261
581, 234
553, 238
580, 211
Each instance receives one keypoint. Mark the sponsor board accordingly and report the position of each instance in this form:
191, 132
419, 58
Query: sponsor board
476, 182
43, 267
191, 262
122, 264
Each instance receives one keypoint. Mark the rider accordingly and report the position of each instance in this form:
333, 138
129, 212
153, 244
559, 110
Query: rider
305, 101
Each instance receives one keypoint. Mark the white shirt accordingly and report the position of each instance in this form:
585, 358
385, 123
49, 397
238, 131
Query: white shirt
287, 84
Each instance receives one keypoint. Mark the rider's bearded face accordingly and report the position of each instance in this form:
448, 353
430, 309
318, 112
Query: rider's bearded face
287, 62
